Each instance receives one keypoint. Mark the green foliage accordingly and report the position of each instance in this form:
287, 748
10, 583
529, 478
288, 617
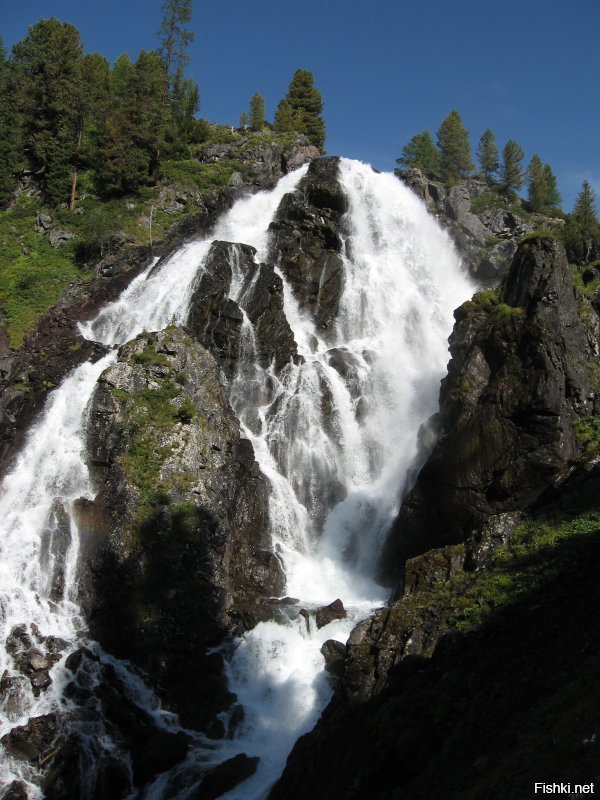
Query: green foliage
488, 300
542, 188
10, 130
587, 432
186, 411
421, 153
455, 150
582, 232
50, 94
487, 154
33, 275
150, 356
257, 112
512, 167
301, 108
174, 37
99, 227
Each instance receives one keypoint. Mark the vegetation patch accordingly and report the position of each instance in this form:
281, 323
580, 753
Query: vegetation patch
587, 432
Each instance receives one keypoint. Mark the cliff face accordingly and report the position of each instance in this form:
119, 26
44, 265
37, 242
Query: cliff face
522, 371
468, 685
485, 225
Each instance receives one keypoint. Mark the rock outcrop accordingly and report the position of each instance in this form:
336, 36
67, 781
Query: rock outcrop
485, 225
174, 545
521, 373
306, 242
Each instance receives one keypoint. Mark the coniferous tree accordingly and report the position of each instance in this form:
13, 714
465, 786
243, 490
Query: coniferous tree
243, 120
301, 109
582, 231
174, 36
133, 133
48, 86
10, 144
537, 187
420, 153
512, 167
487, 154
257, 112
553, 198
286, 119
455, 150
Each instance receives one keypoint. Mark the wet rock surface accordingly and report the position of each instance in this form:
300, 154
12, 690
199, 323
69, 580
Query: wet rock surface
174, 544
306, 242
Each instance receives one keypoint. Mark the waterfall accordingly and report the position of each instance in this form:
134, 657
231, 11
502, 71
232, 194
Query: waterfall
336, 475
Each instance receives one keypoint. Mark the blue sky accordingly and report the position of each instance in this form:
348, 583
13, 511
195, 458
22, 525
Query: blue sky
387, 69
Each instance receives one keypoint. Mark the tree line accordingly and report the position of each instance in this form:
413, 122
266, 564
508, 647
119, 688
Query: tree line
451, 160
63, 112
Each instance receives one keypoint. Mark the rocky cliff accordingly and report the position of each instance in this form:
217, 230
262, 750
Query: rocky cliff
470, 683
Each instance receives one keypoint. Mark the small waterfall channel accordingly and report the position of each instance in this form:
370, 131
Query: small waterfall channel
335, 434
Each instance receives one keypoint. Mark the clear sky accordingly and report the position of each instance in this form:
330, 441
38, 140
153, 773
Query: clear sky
387, 69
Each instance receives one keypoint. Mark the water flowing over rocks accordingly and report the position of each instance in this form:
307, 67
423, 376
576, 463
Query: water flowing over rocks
177, 531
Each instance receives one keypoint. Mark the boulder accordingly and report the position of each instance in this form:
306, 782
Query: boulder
327, 614
225, 776
334, 654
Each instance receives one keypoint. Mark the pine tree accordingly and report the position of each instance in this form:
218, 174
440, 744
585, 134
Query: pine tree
420, 153
10, 143
537, 186
133, 132
305, 106
257, 112
286, 119
455, 150
584, 210
49, 90
243, 120
582, 231
487, 154
553, 198
174, 36
512, 167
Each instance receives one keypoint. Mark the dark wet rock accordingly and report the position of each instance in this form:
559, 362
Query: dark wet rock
306, 242
225, 776
216, 321
32, 742
334, 654
157, 752
175, 544
327, 614
521, 374
15, 791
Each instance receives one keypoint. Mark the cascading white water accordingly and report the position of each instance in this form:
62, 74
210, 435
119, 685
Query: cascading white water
402, 282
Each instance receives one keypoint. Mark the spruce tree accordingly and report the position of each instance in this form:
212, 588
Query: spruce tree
455, 150
582, 232
305, 106
487, 155
10, 130
257, 112
420, 153
49, 90
553, 198
512, 167
537, 186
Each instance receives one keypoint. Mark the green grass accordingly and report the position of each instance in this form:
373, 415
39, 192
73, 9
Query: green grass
488, 300
587, 432
33, 275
